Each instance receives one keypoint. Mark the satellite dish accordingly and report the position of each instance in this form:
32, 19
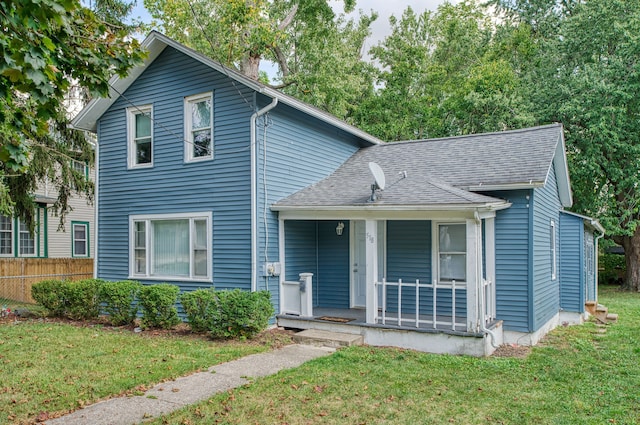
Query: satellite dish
378, 175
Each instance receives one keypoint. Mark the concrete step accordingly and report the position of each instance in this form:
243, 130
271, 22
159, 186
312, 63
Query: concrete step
591, 307
612, 317
327, 339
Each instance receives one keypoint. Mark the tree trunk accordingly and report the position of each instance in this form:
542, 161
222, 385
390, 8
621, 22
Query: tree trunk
631, 245
250, 66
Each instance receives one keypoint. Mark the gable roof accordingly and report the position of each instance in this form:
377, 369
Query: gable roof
155, 43
446, 171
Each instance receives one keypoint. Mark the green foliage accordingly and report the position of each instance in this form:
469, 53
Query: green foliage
158, 305
198, 306
240, 313
612, 268
81, 299
51, 295
46, 46
118, 301
76, 300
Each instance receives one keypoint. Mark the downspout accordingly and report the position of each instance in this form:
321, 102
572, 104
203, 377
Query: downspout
481, 300
254, 198
95, 210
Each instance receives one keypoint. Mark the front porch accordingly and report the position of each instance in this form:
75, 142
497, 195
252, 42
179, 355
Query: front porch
420, 284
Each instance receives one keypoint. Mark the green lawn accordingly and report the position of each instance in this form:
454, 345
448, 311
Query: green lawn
579, 375
55, 367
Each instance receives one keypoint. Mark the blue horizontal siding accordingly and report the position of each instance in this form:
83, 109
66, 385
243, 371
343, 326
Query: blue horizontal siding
220, 186
546, 290
571, 263
512, 237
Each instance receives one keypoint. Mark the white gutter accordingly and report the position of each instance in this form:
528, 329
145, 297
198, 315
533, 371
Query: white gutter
369, 207
254, 197
481, 300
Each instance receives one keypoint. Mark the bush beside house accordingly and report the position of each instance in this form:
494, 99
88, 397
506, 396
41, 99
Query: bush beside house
223, 314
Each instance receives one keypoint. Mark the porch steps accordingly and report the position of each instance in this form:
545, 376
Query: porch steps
322, 338
600, 312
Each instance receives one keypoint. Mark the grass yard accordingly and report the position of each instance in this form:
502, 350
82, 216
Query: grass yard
579, 375
55, 367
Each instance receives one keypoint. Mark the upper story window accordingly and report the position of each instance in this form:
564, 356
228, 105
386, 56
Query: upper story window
140, 136
452, 252
81, 167
6, 236
198, 127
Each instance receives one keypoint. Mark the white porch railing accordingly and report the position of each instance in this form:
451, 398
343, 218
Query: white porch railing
488, 301
416, 317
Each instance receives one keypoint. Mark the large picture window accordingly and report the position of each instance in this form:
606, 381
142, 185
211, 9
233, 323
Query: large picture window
198, 122
171, 246
140, 136
452, 252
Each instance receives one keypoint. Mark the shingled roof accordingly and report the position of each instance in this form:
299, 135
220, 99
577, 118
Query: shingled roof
443, 172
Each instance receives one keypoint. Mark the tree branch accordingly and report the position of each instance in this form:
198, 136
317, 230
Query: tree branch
282, 60
289, 18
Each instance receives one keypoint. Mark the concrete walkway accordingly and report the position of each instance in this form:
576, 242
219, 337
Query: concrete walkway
172, 395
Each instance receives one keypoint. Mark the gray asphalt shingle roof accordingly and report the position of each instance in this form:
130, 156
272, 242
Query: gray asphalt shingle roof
438, 171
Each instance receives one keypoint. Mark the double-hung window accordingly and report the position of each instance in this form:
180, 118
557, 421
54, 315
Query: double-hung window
198, 127
140, 136
26, 241
554, 259
80, 239
6, 236
452, 252
176, 246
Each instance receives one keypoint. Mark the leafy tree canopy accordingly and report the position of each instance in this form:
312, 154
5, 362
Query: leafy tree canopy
49, 46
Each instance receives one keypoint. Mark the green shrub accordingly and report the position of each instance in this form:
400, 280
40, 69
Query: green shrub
198, 306
51, 295
118, 299
240, 313
612, 268
81, 298
158, 305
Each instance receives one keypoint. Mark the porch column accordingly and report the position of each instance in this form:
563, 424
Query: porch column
474, 272
371, 250
490, 263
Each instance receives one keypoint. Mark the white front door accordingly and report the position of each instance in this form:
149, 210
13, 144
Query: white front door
359, 262
358, 266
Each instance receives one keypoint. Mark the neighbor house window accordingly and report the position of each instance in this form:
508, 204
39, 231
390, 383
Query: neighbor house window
26, 241
6, 236
452, 252
80, 239
140, 136
171, 246
198, 123
552, 236
81, 167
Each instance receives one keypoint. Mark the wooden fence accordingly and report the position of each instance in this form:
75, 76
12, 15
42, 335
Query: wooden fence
17, 275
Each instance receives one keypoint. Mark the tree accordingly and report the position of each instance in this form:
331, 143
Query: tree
318, 56
47, 45
445, 73
588, 78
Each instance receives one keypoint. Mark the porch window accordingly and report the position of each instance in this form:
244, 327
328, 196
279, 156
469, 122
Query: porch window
198, 120
140, 136
6, 235
171, 246
452, 252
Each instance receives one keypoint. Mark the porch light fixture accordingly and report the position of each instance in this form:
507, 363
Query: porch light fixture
339, 228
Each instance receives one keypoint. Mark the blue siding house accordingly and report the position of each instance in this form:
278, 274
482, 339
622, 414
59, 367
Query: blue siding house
454, 245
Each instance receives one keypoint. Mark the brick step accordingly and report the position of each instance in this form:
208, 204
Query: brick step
327, 339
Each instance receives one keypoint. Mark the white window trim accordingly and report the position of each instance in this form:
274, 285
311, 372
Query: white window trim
36, 235
554, 250
86, 240
435, 251
148, 218
131, 133
188, 136
12, 232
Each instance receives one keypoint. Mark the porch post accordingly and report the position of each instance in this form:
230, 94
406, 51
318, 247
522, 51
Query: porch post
371, 250
490, 263
474, 273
